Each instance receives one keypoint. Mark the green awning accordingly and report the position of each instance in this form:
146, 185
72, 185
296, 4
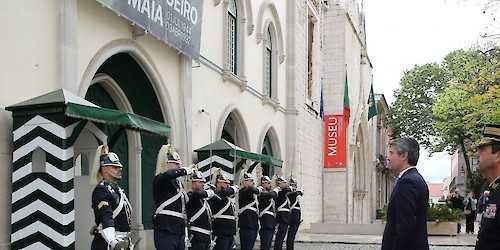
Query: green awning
79, 108
235, 151
118, 118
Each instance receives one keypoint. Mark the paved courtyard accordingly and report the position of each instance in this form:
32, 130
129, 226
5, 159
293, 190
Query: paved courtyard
339, 246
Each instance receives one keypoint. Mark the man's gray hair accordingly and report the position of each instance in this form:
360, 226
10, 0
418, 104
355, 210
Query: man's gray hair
410, 145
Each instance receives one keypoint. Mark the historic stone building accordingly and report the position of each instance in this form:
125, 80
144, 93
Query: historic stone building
137, 74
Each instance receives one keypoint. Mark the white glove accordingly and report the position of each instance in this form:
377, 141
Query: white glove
260, 188
301, 190
113, 244
210, 193
277, 189
189, 170
119, 243
209, 186
108, 234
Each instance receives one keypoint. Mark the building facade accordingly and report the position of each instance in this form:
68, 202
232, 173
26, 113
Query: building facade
383, 178
259, 74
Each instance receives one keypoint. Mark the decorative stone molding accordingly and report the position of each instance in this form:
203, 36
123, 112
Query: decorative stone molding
359, 194
275, 103
229, 76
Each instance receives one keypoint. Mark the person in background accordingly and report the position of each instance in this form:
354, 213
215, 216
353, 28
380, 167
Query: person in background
470, 210
112, 210
295, 213
457, 202
488, 155
267, 214
483, 200
406, 226
170, 199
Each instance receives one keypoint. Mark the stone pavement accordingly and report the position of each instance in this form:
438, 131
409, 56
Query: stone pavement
306, 237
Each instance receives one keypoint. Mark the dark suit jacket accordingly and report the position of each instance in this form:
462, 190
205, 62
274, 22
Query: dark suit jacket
406, 226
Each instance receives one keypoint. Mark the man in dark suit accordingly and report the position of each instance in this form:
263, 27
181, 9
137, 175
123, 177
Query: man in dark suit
406, 226
488, 155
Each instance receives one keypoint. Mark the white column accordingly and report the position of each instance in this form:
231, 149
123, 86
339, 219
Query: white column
67, 58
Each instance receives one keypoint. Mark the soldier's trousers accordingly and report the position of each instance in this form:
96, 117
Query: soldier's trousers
99, 243
266, 238
280, 235
290, 238
247, 238
224, 242
164, 240
199, 245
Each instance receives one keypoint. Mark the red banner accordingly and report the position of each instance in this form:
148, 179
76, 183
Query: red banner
335, 141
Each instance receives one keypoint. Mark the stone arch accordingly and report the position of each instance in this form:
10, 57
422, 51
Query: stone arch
269, 131
238, 127
361, 175
140, 149
139, 54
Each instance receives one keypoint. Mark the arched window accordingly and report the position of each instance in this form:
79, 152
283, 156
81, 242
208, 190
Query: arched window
270, 64
38, 160
82, 165
267, 150
270, 35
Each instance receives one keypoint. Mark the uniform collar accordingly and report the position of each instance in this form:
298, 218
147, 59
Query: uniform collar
112, 184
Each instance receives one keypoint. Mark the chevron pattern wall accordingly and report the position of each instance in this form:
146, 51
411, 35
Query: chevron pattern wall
225, 162
43, 197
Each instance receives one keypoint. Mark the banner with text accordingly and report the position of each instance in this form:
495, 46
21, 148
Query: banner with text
335, 142
176, 22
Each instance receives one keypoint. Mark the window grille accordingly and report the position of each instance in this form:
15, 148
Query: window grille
232, 29
268, 64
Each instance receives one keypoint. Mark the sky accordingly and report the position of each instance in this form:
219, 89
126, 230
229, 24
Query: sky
403, 33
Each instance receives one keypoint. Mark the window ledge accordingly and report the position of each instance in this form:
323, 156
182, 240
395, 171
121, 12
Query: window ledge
230, 76
275, 103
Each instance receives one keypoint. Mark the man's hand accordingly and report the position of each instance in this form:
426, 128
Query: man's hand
189, 170
120, 243
210, 186
210, 193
